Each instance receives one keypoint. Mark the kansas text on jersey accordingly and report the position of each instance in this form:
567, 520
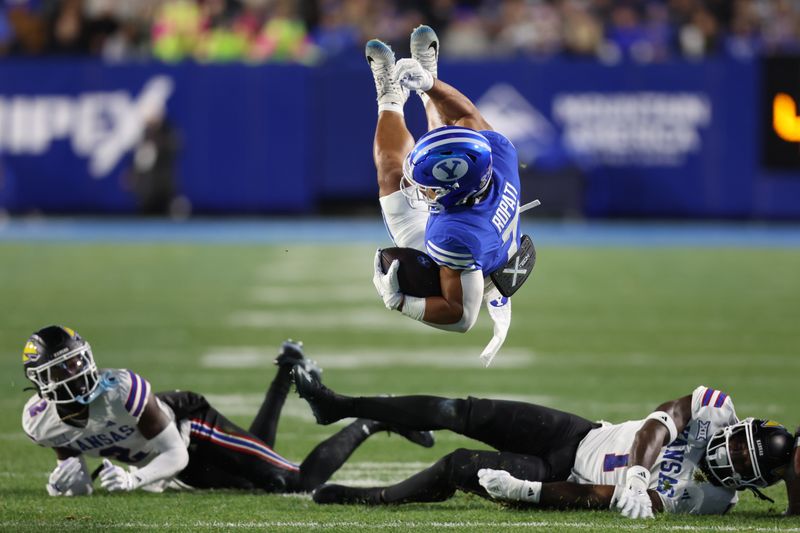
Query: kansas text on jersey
603, 456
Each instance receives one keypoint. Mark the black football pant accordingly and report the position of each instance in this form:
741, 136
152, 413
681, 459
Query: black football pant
532, 441
223, 455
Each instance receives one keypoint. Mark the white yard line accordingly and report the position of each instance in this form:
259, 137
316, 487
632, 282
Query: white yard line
261, 357
483, 525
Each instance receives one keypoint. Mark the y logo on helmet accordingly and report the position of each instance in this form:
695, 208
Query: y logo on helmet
29, 353
450, 169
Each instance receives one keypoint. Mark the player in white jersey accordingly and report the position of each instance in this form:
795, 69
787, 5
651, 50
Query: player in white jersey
173, 439
691, 455
454, 194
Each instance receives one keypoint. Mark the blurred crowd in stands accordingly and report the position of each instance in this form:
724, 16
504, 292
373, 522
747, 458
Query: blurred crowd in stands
311, 31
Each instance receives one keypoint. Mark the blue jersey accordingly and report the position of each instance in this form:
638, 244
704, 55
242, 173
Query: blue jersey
482, 236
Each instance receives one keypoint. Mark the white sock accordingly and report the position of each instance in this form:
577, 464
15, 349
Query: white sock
424, 97
391, 106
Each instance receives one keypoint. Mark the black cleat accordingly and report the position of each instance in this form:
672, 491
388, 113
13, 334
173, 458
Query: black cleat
320, 398
291, 355
331, 493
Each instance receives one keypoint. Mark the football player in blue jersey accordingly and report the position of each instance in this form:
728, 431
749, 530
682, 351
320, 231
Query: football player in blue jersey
454, 193
172, 439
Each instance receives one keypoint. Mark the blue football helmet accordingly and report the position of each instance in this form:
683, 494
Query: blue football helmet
448, 167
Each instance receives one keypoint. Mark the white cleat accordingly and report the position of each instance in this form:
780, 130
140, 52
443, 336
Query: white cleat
381, 61
425, 48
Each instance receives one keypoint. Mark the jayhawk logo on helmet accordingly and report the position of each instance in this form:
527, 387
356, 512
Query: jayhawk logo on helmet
30, 353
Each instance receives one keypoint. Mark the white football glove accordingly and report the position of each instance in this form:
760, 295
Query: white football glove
503, 486
386, 284
69, 478
634, 502
114, 478
499, 484
411, 75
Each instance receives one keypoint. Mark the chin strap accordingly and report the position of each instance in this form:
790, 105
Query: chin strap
104, 382
761, 495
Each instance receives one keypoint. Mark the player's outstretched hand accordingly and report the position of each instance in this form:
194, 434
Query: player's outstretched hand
114, 478
411, 75
634, 502
386, 284
66, 478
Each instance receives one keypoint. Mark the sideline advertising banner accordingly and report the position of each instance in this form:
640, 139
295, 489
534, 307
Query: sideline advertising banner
700, 140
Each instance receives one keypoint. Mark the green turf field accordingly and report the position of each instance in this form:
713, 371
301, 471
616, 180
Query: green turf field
605, 333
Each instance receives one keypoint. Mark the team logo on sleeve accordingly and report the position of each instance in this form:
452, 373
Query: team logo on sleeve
450, 170
499, 302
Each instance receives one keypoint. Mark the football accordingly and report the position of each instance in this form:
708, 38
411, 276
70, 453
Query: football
418, 274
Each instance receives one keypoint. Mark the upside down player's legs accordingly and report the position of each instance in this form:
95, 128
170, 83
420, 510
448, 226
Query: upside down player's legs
392, 143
